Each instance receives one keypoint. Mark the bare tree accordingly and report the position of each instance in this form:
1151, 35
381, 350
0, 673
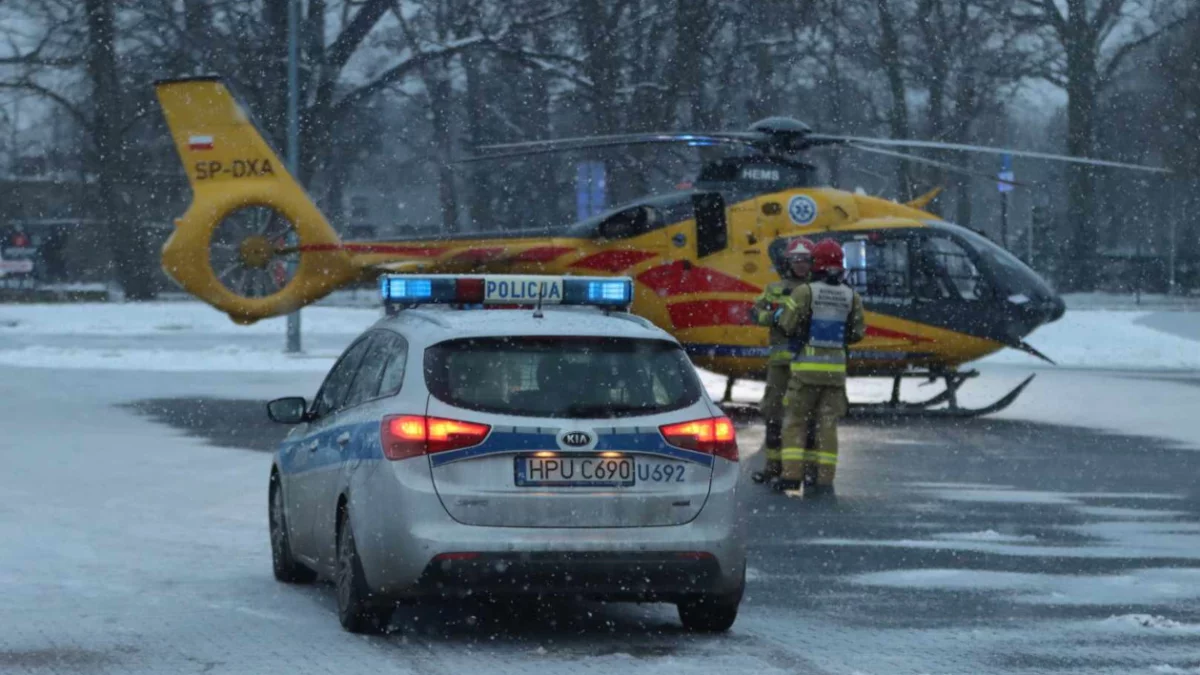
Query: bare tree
1092, 38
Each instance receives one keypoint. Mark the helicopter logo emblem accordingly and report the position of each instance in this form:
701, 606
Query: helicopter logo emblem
802, 209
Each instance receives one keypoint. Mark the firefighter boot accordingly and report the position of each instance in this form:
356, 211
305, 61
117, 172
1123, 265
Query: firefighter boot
774, 462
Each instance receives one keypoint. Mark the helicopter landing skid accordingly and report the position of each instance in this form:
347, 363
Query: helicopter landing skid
746, 412
925, 409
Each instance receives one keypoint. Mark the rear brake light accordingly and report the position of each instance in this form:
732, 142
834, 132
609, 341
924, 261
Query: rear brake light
714, 436
405, 436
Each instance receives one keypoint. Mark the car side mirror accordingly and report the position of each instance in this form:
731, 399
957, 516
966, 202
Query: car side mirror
288, 410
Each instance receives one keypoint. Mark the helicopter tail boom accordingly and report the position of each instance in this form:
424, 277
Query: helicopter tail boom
234, 172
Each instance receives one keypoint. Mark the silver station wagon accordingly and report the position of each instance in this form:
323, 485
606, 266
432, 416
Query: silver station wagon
509, 435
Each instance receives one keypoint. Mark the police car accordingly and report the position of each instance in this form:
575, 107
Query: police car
505, 435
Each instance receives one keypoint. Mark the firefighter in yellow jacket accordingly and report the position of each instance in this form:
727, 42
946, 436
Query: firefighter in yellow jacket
822, 317
793, 264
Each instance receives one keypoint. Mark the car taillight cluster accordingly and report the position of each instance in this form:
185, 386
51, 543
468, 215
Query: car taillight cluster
405, 436
714, 436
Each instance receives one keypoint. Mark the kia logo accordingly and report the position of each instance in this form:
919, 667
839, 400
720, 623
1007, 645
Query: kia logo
576, 439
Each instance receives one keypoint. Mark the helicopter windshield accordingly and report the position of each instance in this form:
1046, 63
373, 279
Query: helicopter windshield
943, 270
1014, 276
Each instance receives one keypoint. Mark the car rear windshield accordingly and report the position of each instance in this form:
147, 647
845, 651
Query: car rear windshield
562, 376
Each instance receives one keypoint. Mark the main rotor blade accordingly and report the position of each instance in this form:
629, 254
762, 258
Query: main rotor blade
639, 138
933, 162
548, 147
937, 145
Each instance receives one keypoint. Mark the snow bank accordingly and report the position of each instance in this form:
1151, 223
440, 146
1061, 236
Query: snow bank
1130, 301
1150, 622
168, 318
228, 358
1137, 587
1105, 339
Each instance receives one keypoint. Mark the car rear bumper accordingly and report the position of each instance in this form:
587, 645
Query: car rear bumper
663, 576
400, 544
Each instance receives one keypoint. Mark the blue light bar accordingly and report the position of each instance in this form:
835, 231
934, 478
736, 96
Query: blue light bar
401, 289
609, 292
475, 290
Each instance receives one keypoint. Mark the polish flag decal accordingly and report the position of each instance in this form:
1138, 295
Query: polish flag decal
200, 142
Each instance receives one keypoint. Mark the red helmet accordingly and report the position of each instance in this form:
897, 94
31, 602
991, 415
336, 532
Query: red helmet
800, 247
827, 257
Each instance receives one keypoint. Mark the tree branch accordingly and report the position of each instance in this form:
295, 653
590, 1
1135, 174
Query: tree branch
67, 104
1128, 48
353, 34
402, 70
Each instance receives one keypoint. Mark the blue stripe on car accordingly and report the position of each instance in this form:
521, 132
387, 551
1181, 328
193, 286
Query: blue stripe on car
501, 442
294, 456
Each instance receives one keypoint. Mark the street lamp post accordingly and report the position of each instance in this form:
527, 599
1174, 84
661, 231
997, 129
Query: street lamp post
293, 140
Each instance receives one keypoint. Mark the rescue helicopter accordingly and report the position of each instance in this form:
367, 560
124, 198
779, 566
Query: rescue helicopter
937, 296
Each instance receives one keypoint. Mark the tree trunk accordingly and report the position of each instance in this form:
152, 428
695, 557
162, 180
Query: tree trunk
129, 249
481, 190
898, 115
438, 82
272, 66
1081, 103
197, 18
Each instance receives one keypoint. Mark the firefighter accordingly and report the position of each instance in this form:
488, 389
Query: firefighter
793, 265
822, 317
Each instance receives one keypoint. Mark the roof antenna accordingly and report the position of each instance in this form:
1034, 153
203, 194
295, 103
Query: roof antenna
537, 311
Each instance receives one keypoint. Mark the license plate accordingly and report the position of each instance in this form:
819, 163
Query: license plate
575, 471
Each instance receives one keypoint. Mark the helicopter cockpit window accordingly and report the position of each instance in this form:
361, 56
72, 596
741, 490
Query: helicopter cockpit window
877, 269
631, 223
942, 269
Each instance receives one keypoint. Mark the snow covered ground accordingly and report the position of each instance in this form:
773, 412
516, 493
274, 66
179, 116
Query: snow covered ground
189, 336
1094, 339
130, 547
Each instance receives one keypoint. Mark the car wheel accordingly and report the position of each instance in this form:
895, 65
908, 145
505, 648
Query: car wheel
708, 614
711, 613
287, 568
357, 610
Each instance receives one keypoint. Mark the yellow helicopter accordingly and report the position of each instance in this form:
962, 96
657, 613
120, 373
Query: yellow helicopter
254, 245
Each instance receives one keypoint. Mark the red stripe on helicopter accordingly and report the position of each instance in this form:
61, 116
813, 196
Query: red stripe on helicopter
705, 313
420, 251
542, 254
613, 261
876, 331
678, 279
478, 255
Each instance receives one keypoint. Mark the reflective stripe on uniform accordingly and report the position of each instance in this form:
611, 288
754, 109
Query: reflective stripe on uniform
794, 454
810, 361
825, 458
774, 454
805, 367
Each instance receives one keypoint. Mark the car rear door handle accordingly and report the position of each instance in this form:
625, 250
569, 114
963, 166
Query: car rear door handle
343, 438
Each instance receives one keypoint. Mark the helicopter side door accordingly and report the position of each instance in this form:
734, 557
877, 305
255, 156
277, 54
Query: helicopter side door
712, 230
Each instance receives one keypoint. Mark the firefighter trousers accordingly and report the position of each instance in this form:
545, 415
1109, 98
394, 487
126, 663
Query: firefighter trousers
772, 412
810, 429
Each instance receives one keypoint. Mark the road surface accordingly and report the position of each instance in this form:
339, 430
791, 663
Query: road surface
133, 516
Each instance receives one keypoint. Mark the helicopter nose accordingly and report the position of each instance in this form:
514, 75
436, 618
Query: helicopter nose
1057, 308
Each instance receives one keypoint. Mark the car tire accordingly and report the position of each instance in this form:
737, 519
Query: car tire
358, 612
711, 613
287, 568
708, 614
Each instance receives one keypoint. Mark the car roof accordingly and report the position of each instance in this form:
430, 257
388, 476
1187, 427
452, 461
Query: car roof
436, 323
